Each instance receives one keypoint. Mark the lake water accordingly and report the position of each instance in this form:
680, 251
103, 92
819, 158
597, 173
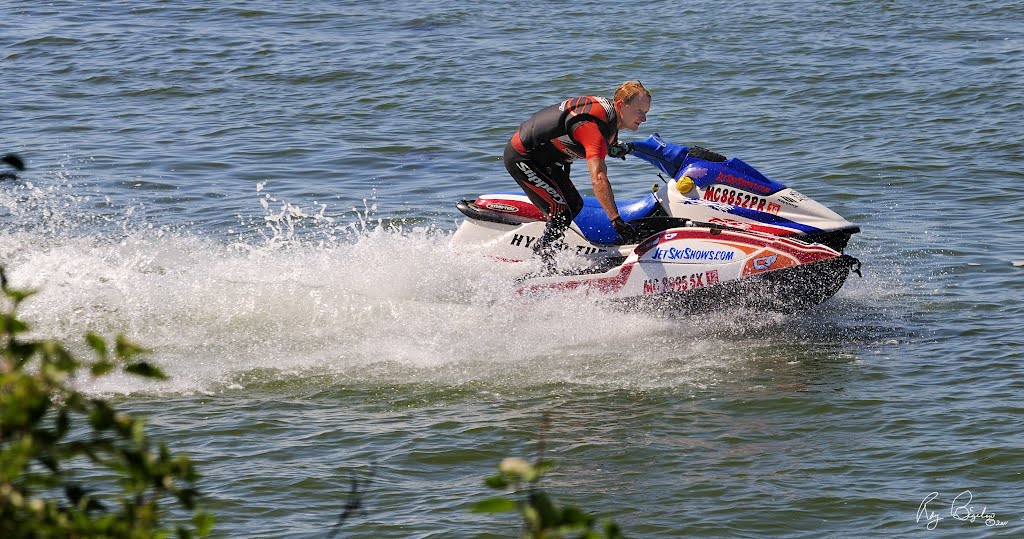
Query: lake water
263, 193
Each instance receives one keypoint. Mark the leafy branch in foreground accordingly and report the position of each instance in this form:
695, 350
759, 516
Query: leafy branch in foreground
42, 437
542, 517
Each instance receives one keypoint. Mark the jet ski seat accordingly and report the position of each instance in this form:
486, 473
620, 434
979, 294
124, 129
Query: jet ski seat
594, 224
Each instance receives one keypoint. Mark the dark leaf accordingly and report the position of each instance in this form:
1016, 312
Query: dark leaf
126, 349
145, 369
573, 515
204, 523
63, 422
101, 416
74, 492
98, 344
540, 501
497, 504
543, 466
496, 481
101, 367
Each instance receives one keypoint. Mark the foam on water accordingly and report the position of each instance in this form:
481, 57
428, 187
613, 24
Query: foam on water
300, 293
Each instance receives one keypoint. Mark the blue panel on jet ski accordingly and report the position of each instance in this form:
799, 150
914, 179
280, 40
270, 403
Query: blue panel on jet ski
665, 155
673, 158
734, 173
594, 223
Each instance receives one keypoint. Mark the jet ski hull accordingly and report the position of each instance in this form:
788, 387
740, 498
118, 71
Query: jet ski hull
697, 269
784, 291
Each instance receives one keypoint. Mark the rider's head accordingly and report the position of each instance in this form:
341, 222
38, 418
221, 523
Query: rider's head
632, 102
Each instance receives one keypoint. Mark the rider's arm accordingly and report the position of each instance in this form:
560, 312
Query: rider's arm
602, 187
593, 141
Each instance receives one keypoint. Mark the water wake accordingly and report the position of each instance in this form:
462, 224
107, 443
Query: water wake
299, 293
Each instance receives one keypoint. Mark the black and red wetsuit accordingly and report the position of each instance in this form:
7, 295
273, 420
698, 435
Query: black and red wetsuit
540, 153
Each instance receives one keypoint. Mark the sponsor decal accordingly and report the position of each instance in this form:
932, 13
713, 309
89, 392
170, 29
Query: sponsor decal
792, 199
740, 199
518, 239
586, 250
681, 283
505, 208
691, 254
742, 183
765, 262
768, 261
565, 144
522, 240
532, 177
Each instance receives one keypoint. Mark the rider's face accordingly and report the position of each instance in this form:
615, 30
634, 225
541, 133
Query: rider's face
633, 114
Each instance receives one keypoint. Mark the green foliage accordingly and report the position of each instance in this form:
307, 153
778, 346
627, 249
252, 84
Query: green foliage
46, 427
542, 517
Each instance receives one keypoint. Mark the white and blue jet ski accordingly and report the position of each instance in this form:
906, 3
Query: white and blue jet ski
720, 234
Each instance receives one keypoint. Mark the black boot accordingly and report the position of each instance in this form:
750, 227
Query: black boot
550, 242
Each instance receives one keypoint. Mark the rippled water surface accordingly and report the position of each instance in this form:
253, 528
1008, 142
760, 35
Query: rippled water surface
263, 192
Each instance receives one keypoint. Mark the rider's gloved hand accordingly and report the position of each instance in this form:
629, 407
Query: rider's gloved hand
619, 150
625, 231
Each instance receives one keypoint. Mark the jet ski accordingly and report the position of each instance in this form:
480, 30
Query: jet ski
721, 234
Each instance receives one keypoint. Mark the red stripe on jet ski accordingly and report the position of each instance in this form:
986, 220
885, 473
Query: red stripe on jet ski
604, 285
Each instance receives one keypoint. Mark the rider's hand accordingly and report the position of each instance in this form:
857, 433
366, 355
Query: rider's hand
625, 231
619, 150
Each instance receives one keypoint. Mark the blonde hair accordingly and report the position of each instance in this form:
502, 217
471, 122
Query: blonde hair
629, 91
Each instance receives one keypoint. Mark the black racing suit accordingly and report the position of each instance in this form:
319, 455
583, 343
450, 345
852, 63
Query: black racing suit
539, 156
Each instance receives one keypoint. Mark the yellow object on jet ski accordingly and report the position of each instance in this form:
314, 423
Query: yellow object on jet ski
684, 184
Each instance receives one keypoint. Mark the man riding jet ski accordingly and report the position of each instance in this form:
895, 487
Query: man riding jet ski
540, 153
720, 234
